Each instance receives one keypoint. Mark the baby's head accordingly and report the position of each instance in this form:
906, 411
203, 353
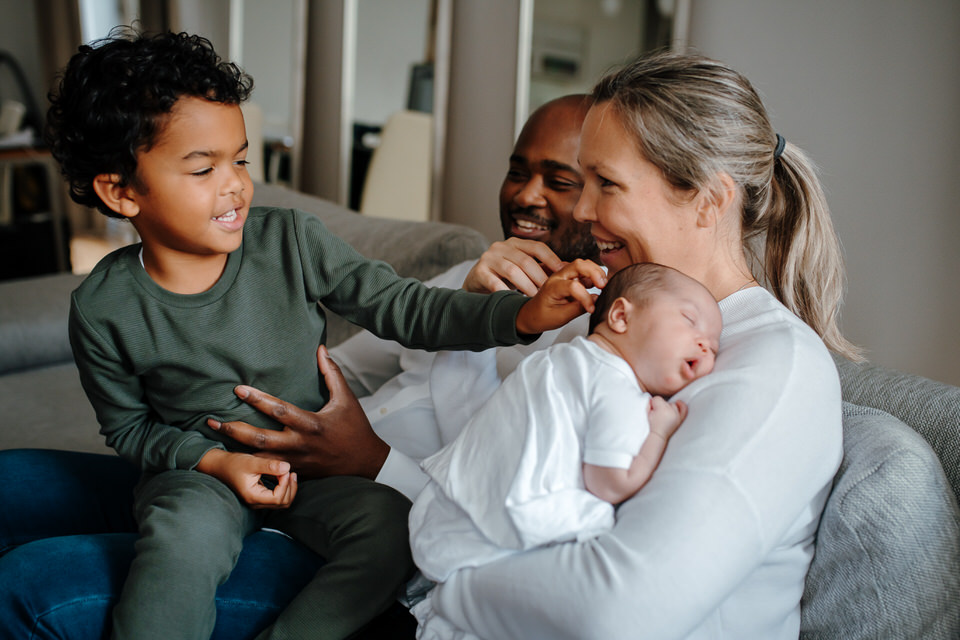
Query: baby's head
115, 97
665, 324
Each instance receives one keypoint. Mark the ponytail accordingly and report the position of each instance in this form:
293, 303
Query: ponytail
802, 261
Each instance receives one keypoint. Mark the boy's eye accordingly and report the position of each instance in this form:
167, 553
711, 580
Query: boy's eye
242, 163
202, 172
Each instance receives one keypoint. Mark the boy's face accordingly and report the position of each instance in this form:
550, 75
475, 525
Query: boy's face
192, 192
673, 339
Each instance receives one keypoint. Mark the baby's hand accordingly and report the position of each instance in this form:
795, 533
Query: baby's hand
562, 298
244, 473
665, 417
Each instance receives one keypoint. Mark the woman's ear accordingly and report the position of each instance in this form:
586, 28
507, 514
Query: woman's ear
617, 315
117, 197
715, 201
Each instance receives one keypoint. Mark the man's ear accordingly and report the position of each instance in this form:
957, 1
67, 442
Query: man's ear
118, 198
714, 201
617, 315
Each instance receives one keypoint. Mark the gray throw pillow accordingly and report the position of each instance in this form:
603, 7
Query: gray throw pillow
887, 560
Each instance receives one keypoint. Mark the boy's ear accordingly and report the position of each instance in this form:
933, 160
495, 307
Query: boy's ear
716, 200
617, 315
118, 198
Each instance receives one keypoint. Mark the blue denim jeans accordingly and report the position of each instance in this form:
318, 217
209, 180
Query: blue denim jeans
67, 539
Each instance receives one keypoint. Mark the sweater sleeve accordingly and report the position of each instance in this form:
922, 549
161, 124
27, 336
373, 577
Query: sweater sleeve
370, 293
117, 396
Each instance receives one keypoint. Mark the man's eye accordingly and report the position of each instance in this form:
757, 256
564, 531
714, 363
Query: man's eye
564, 185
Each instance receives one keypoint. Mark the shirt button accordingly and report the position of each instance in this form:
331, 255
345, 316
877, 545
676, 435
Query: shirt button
383, 411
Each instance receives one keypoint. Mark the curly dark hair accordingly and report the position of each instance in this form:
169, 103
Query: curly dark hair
114, 95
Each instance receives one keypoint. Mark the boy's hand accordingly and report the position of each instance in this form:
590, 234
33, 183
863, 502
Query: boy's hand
514, 263
242, 472
562, 298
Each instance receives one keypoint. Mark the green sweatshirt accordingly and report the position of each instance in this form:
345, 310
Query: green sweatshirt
156, 364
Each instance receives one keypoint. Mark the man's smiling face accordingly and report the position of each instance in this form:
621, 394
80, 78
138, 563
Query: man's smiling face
543, 183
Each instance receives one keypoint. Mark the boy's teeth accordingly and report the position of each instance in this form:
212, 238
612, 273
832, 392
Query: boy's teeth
228, 216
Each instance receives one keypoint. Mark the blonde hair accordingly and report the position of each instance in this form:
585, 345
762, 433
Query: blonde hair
694, 119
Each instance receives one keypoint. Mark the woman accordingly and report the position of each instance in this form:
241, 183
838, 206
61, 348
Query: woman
683, 167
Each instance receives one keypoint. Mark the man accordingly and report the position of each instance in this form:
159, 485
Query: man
412, 401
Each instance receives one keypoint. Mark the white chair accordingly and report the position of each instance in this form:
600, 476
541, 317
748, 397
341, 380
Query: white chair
398, 179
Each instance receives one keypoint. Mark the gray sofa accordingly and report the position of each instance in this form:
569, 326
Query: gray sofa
887, 562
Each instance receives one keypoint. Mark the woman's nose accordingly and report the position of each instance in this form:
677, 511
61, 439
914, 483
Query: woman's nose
583, 211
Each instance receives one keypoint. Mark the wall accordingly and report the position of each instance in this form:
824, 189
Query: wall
481, 112
18, 37
870, 88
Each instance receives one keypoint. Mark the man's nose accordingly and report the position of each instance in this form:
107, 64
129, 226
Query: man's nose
531, 195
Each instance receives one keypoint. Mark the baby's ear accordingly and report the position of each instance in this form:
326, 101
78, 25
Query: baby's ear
117, 197
617, 315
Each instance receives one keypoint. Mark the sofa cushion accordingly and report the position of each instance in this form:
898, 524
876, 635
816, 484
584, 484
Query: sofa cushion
887, 560
930, 407
46, 408
33, 321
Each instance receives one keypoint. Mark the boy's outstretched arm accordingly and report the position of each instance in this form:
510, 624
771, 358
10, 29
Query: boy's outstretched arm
563, 297
616, 485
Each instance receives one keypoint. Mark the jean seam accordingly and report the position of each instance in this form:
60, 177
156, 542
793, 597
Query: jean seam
38, 619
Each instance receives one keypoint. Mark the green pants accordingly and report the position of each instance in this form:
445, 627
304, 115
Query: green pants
191, 532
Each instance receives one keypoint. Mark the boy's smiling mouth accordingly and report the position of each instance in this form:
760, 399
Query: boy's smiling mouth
231, 220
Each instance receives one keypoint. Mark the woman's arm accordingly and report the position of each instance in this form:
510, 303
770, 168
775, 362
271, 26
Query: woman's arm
724, 527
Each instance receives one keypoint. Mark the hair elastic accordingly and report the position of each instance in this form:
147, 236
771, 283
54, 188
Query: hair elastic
781, 143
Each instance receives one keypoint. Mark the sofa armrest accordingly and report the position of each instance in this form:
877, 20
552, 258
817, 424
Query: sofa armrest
33, 321
931, 408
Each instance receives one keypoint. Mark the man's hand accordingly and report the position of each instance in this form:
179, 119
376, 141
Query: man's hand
515, 263
337, 440
242, 473
563, 297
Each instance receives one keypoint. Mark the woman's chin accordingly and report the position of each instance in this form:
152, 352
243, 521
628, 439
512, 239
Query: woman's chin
615, 260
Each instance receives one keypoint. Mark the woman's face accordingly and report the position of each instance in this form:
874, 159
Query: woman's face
634, 213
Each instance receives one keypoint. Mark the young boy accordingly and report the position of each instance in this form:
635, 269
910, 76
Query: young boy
149, 129
559, 443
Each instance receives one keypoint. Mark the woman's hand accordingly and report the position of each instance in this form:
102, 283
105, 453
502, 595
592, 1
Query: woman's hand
515, 263
337, 440
563, 297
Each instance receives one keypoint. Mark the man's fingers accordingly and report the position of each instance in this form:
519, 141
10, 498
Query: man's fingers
332, 376
282, 411
250, 435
